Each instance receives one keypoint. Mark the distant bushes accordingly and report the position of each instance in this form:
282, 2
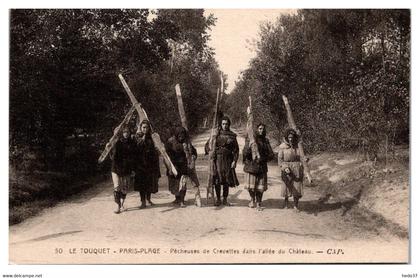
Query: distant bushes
32, 186
346, 74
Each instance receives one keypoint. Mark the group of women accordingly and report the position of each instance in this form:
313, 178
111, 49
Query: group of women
136, 159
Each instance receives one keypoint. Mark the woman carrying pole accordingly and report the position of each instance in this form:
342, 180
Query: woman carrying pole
291, 168
147, 164
256, 168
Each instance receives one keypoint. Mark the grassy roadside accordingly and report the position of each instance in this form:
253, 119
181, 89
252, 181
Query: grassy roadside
30, 193
374, 196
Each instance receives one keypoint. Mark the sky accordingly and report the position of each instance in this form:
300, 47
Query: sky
233, 36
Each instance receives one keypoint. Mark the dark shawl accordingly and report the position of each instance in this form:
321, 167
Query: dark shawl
264, 149
146, 162
226, 152
122, 156
175, 150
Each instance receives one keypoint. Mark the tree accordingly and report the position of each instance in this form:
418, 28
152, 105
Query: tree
345, 72
63, 66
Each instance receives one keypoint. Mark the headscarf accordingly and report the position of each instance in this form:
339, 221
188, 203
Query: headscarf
144, 122
140, 133
289, 131
225, 118
180, 131
257, 135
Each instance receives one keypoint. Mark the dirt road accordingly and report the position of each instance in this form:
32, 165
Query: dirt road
84, 229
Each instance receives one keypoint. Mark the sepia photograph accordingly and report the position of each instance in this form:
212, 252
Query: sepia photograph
209, 136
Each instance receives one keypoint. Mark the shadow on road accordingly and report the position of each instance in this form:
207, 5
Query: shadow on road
310, 206
46, 237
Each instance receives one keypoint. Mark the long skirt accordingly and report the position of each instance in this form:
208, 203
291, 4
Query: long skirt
121, 183
146, 182
296, 184
224, 173
256, 182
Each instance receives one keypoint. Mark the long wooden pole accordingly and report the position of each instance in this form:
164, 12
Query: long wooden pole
188, 147
183, 116
215, 123
181, 107
221, 85
212, 147
250, 131
292, 124
155, 136
117, 132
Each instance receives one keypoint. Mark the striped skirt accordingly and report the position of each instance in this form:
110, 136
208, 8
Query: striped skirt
256, 182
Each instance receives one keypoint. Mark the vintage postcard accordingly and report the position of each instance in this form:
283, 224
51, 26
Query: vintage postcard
209, 136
